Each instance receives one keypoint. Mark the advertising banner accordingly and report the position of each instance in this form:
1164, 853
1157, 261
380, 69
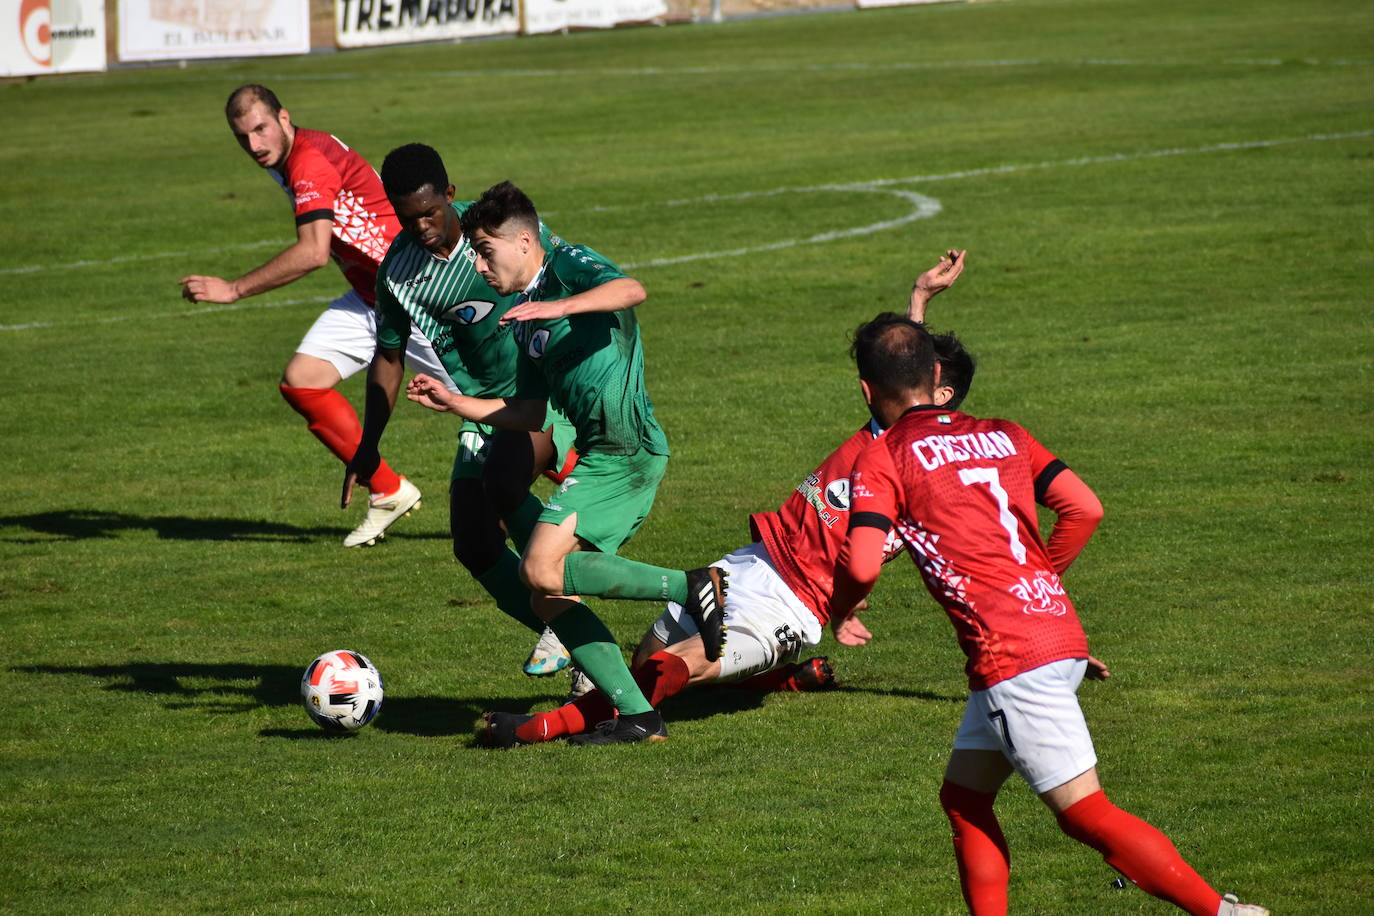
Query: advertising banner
51, 36
361, 23
556, 15
866, 4
181, 29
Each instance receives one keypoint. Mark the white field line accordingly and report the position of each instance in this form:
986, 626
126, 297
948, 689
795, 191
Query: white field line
860, 66
922, 207
207, 310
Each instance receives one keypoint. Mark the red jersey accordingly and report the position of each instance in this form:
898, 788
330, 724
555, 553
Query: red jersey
803, 538
327, 180
961, 492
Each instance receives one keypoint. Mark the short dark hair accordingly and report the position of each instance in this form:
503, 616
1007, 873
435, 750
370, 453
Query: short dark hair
242, 98
409, 168
497, 206
956, 367
894, 354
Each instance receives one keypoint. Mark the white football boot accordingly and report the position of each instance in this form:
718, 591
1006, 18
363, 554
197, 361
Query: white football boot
547, 657
580, 684
382, 513
1231, 906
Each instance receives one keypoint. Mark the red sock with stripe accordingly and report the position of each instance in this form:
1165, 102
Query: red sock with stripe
979, 848
662, 675
1140, 852
335, 423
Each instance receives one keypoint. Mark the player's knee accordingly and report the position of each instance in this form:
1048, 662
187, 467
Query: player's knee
541, 576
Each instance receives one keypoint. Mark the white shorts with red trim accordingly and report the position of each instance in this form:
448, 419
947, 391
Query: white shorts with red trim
345, 335
1035, 721
768, 624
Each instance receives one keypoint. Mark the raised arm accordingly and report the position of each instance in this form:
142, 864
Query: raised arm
933, 282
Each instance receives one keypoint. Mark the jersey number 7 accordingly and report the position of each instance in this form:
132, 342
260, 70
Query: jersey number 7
988, 477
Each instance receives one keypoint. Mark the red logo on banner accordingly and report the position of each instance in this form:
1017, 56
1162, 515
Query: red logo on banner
35, 30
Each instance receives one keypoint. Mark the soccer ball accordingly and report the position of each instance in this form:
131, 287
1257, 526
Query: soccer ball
342, 690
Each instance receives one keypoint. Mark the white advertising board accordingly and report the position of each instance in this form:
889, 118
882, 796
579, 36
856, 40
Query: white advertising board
556, 15
362, 23
181, 29
51, 36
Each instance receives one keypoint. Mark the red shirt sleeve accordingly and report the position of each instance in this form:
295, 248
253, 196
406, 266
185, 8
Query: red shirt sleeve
314, 181
1078, 512
874, 493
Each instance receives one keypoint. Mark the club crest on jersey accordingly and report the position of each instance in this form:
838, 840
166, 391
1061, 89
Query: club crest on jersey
837, 494
538, 341
470, 311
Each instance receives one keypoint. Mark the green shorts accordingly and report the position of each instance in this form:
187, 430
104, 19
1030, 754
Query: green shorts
474, 439
611, 494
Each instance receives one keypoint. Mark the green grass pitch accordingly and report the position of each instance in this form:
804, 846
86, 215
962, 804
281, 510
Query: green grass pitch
1167, 206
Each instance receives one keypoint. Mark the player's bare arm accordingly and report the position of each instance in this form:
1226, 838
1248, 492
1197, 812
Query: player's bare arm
310, 252
384, 378
613, 296
935, 281
508, 413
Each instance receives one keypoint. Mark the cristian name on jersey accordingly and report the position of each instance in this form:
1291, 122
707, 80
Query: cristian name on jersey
962, 491
591, 365
450, 303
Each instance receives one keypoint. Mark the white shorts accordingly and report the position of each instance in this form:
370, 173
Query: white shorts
345, 335
769, 626
1035, 721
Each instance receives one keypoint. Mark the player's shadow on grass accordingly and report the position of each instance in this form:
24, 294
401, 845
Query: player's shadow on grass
723, 700
232, 687
85, 524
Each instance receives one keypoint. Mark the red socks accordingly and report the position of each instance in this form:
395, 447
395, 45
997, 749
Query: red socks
979, 848
335, 423
662, 675
1140, 852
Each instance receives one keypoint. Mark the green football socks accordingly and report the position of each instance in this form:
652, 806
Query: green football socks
594, 650
588, 572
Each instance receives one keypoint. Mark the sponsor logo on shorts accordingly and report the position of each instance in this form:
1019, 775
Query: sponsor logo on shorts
470, 311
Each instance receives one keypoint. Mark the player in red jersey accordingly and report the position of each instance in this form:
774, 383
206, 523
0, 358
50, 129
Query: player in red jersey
962, 493
779, 600
341, 212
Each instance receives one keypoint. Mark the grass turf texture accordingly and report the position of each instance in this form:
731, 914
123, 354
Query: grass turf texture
1190, 332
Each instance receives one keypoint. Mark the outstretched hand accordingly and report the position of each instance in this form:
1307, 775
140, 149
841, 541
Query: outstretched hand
935, 281
429, 392
197, 288
850, 630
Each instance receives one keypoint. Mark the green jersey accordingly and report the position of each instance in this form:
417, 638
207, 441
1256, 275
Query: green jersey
590, 366
447, 299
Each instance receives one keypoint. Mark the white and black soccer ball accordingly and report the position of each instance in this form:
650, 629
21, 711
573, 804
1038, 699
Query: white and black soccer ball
342, 690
